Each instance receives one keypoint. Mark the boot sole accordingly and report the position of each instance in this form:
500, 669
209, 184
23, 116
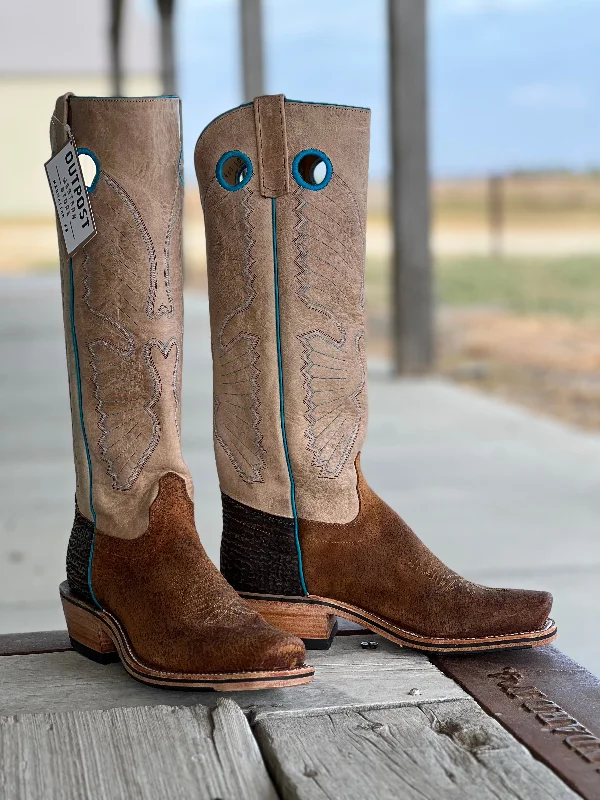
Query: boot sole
312, 618
98, 635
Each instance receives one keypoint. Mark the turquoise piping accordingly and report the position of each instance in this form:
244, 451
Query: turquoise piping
224, 114
335, 105
221, 163
281, 397
314, 187
81, 420
300, 102
126, 97
86, 151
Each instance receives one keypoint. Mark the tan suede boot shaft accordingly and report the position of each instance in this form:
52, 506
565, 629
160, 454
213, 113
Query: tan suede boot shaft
285, 270
123, 308
140, 586
304, 537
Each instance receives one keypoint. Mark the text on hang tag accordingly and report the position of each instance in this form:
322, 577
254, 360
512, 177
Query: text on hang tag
70, 197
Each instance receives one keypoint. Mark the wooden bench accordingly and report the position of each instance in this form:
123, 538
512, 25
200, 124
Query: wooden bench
378, 722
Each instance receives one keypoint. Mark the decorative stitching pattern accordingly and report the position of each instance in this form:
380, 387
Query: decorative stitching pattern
174, 220
326, 237
134, 418
165, 351
127, 384
152, 258
332, 428
236, 411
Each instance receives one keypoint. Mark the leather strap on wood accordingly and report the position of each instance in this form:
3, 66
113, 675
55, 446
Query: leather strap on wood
271, 140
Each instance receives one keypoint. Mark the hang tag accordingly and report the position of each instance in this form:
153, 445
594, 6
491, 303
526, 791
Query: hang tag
70, 197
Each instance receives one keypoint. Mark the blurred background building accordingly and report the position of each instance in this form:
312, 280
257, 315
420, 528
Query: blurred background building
45, 50
515, 191
513, 108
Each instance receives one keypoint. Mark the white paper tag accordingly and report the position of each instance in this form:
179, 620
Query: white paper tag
70, 197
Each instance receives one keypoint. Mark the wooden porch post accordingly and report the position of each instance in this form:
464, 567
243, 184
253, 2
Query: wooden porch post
252, 48
116, 64
412, 285
168, 69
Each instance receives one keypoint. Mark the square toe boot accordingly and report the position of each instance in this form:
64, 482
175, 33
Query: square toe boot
140, 587
283, 186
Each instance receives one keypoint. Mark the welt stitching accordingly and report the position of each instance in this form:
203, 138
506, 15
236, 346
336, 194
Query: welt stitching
346, 606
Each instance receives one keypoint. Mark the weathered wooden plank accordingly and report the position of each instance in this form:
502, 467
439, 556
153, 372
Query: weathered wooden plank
438, 750
16, 644
144, 753
547, 701
346, 676
238, 750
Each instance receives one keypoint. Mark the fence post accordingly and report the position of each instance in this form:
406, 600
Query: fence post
252, 48
412, 283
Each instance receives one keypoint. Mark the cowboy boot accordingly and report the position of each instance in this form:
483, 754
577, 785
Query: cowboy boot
139, 585
284, 186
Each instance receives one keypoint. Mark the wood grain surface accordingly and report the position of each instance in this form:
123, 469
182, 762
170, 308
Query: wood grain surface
435, 751
142, 753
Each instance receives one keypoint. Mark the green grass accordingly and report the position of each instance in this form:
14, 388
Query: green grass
565, 286
526, 285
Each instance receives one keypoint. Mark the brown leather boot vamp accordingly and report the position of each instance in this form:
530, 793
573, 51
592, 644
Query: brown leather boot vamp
376, 572
162, 607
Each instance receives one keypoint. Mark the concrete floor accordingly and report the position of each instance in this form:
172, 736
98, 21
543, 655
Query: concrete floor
504, 497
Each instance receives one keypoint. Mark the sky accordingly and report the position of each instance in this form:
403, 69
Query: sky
514, 84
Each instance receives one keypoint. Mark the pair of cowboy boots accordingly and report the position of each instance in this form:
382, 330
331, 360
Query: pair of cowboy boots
283, 187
